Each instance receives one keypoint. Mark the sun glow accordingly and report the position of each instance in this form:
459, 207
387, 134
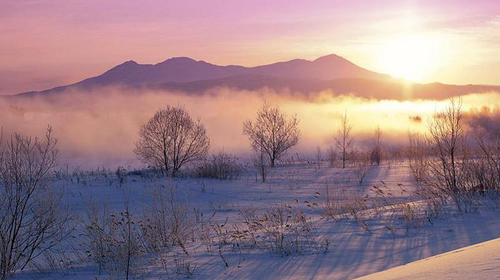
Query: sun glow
412, 57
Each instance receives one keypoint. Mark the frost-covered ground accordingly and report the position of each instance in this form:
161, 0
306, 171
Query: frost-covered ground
352, 251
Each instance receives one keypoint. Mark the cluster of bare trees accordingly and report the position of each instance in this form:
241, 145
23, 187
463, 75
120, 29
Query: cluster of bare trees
450, 167
33, 219
172, 139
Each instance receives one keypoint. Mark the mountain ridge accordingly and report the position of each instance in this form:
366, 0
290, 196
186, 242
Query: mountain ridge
330, 72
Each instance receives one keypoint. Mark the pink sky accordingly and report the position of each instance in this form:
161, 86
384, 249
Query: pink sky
55, 42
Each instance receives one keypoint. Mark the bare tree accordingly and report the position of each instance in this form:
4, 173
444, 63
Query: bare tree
32, 218
343, 139
261, 165
447, 140
376, 153
272, 132
171, 139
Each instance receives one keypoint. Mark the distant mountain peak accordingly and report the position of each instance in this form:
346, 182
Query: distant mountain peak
130, 62
126, 67
332, 58
179, 60
329, 57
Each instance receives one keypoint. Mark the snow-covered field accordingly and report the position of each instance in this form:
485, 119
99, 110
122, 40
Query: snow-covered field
351, 250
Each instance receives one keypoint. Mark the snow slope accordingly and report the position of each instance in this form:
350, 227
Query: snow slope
480, 261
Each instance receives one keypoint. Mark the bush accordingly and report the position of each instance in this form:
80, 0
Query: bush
221, 166
114, 241
286, 230
167, 221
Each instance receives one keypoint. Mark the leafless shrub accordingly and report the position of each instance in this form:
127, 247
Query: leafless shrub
249, 215
32, 218
286, 230
88, 177
118, 242
339, 204
114, 241
121, 175
221, 206
220, 166
332, 202
204, 229
272, 134
332, 157
58, 261
357, 208
97, 231
62, 173
184, 266
417, 154
223, 235
392, 210
167, 221
361, 165
171, 139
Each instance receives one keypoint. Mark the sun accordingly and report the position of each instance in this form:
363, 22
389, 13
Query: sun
413, 57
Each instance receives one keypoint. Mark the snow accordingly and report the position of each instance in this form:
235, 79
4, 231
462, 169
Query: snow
480, 261
353, 252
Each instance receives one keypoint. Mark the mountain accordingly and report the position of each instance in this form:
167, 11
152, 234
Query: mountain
328, 73
328, 67
179, 69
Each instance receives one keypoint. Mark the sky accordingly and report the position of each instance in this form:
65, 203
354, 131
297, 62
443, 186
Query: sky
47, 43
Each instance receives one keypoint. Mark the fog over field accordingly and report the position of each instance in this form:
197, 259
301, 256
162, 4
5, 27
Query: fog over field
102, 125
